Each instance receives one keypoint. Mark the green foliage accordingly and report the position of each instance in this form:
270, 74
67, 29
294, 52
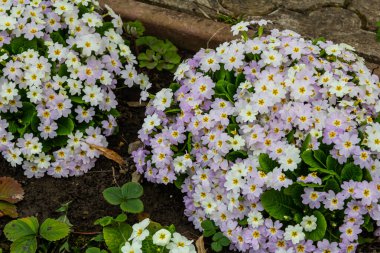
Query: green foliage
318, 233
157, 54
267, 164
24, 233
233, 155
279, 205
352, 171
11, 193
134, 28
116, 235
378, 31
126, 196
209, 228
219, 241
229, 19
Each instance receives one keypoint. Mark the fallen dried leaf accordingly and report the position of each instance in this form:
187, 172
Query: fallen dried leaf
200, 245
110, 154
10, 190
136, 177
137, 104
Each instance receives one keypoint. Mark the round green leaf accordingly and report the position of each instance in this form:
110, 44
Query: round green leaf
132, 190
53, 230
27, 244
19, 228
318, 233
65, 126
277, 204
132, 206
113, 195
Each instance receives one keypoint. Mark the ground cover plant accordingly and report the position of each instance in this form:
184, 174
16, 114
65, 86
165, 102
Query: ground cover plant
274, 139
60, 62
146, 236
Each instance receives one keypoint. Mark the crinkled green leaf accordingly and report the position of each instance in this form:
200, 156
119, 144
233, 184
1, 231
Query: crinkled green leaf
54, 230
19, 228
132, 190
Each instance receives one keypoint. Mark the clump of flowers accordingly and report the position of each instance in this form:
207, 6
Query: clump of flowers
162, 240
277, 139
59, 63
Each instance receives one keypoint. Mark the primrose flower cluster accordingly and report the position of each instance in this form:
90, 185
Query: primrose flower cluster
168, 241
60, 61
278, 140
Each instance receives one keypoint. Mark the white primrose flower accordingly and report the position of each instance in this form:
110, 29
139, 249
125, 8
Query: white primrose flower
294, 234
163, 99
134, 247
140, 232
180, 244
162, 237
309, 223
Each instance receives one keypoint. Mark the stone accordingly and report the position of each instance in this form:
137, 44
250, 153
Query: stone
307, 5
369, 10
186, 31
336, 24
251, 7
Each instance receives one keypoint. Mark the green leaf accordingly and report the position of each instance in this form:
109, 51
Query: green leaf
104, 221
215, 246
295, 191
174, 86
53, 230
77, 100
103, 29
277, 204
333, 185
308, 157
62, 71
57, 38
209, 228
320, 156
305, 144
233, 155
113, 195
326, 171
132, 206
149, 247
21, 44
65, 126
319, 233
116, 235
19, 228
221, 90
352, 171
28, 110
132, 190
368, 224
267, 164
179, 181
95, 250
121, 218
331, 163
26, 244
